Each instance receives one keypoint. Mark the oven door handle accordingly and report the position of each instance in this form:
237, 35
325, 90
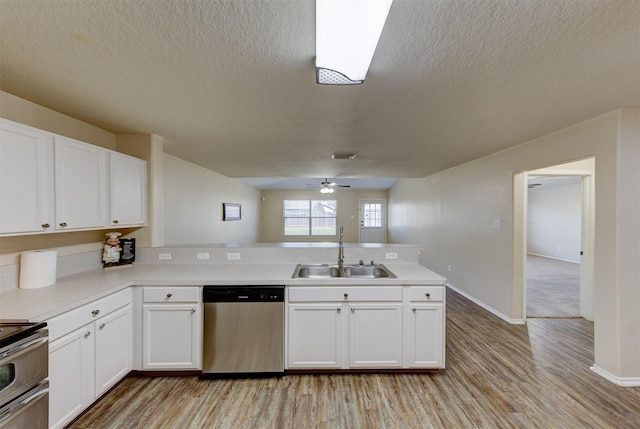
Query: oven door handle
23, 348
15, 407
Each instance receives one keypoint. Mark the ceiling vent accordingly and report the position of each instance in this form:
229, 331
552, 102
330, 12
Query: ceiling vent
343, 156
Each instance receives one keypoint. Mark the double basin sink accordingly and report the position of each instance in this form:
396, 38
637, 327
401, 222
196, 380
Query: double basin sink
355, 271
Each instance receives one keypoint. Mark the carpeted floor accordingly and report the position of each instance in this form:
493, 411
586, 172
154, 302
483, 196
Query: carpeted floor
553, 288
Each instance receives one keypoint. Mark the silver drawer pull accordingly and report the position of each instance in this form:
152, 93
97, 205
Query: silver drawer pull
338, 309
102, 325
95, 312
414, 309
86, 335
346, 295
45, 225
63, 224
193, 310
353, 310
115, 221
169, 295
428, 295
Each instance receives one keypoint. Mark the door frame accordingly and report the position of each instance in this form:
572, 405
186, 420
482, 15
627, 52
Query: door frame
384, 214
520, 208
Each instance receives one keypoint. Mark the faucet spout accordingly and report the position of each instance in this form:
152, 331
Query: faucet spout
340, 250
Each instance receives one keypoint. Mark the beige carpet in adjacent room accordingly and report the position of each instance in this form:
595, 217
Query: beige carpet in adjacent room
553, 288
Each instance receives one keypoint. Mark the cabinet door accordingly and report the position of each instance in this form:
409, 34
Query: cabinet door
315, 336
425, 336
80, 185
71, 370
375, 335
113, 348
26, 180
127, 190
171, 336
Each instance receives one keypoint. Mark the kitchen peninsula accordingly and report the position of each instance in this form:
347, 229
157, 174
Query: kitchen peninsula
104, 323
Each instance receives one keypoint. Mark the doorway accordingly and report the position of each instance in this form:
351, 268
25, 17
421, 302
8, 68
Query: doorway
554, 243
581, 172
373, 221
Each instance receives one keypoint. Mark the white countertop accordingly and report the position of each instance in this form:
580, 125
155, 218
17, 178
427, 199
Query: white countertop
35, 305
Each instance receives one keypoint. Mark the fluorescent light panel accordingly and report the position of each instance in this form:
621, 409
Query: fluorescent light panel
347, 32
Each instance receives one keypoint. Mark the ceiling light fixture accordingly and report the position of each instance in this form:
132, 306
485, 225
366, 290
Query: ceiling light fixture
326, 190
347, 32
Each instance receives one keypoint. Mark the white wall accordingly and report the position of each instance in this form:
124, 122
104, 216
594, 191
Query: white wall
450, 215
193, 198
554, 221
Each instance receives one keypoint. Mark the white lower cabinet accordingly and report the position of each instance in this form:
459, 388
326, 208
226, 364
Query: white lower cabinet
71, 369
363, 330
358, 327
315, 335
113, 349
171, 328
90, 350
424, 336
425, 327
375, 335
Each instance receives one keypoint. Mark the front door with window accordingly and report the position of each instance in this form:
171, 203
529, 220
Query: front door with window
373, 221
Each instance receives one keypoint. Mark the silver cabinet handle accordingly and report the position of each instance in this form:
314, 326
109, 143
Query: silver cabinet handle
353, 310
346, 295
414, 309
115, 221
95, 312
86, 335
338, 309
193, 310
169, 295
63, 224
45, 225
428, 295
102, 325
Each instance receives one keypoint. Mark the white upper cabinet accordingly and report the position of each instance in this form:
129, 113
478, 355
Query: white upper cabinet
26, 179
50, 183
80, 185
127, 190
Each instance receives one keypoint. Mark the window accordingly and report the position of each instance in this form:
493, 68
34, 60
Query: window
372, 215
310, 217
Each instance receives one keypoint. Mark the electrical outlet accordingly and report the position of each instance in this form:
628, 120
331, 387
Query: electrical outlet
233, 256
202, 256
164, 256
391, 255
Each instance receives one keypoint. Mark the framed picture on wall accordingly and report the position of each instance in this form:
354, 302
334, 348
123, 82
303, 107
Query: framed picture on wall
231, 211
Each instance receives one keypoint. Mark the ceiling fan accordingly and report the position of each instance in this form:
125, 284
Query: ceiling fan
326, 187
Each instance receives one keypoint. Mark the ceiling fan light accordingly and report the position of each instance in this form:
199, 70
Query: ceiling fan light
347, 33
326, 190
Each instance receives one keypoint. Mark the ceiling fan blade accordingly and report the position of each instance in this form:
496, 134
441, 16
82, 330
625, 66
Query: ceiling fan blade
344, 186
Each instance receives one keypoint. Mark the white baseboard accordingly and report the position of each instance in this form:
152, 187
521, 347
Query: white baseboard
487, 307
552, 257
620, 381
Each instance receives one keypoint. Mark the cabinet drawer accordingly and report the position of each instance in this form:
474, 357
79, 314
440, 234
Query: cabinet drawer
74, 319
345, 293
171, 294
426, 293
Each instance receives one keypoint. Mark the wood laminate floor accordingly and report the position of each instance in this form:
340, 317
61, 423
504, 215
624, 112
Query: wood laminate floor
498, 376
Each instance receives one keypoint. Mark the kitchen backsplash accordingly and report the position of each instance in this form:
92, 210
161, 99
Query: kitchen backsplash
263, 253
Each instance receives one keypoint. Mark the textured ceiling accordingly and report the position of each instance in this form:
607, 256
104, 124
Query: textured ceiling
230, 84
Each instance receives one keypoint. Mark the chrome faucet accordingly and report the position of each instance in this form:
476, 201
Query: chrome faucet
340, 250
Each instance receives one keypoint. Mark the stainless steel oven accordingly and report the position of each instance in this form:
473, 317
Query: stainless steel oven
24, 392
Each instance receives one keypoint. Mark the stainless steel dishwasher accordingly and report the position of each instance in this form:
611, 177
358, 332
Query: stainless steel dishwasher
243, 330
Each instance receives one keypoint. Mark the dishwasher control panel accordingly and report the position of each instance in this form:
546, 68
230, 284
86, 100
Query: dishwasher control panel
270, 293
